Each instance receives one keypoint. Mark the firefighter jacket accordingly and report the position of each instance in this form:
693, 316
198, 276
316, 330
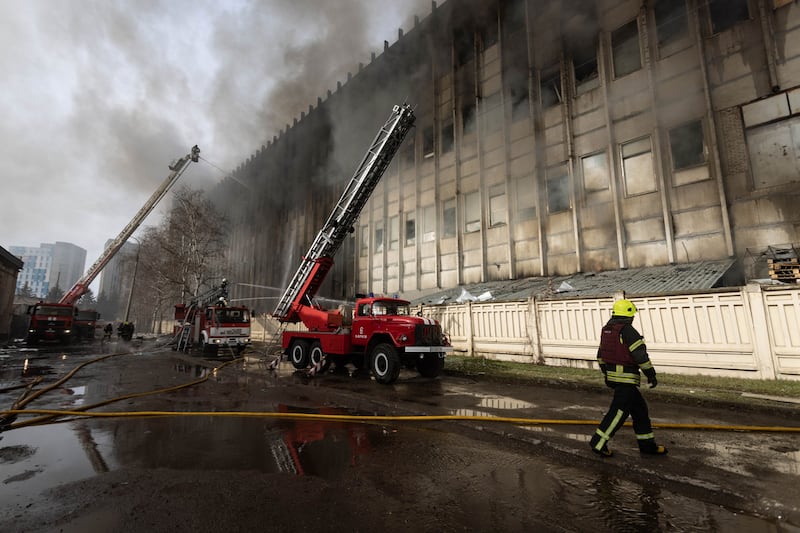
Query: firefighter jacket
622, 353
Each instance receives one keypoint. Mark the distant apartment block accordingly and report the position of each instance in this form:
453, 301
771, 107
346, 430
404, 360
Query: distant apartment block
49, 265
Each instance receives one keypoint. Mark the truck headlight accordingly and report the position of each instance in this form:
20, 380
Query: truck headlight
67, 331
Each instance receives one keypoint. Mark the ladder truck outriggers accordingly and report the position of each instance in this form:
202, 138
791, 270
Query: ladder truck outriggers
208, 321
381, 334
61, 321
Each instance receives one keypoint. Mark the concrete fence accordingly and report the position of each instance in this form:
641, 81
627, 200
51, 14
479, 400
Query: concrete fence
751, 332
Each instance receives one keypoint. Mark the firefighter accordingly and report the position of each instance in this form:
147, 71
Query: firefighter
621, 355
107, 331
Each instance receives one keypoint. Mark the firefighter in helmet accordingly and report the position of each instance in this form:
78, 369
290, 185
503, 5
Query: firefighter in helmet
621, 355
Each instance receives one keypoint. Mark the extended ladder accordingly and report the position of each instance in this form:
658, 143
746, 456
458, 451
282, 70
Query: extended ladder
346, 212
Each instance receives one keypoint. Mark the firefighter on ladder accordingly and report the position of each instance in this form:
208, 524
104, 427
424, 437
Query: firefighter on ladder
621, 355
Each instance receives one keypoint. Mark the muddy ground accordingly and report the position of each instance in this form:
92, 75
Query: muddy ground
231, 473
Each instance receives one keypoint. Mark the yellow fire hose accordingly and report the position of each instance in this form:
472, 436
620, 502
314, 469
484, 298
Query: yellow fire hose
48, 415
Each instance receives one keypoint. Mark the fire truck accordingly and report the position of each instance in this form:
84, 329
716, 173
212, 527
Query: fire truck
209, 322
381, 334
56, 321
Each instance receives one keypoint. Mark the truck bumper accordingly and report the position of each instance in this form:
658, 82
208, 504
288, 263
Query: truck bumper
429, 349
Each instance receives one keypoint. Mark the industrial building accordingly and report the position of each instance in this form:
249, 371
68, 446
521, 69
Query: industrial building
552, 138
49, 265
116, 280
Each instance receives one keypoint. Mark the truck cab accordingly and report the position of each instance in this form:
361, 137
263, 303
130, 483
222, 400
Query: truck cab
225, 326
51, 322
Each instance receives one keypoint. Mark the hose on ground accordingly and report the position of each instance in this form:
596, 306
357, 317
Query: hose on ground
384, 418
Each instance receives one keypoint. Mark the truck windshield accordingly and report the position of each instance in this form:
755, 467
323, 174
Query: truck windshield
227, 314
389, 308
53, 311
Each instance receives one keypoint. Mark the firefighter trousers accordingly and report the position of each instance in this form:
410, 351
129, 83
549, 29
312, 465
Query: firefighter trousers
628, 401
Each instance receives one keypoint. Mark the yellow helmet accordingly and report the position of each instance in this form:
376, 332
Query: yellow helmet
624, 308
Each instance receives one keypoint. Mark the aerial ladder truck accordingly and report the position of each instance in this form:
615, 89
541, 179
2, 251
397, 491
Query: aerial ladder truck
208, 321
57, 320
381, 334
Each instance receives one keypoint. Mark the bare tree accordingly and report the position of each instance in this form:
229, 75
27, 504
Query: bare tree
180, 258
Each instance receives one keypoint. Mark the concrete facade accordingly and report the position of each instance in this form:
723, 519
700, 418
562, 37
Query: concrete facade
551, 138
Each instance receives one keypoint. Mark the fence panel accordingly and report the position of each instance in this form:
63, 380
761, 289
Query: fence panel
783, 325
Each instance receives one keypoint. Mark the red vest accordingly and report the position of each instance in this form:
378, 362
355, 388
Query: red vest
612, 349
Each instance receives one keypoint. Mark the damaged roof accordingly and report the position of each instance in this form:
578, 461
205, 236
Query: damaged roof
634, 281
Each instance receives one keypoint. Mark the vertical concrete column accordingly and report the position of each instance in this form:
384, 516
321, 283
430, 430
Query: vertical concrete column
468, 327
534, 334
713, 143
762, 347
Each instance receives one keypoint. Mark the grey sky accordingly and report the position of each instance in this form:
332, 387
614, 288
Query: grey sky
100, 96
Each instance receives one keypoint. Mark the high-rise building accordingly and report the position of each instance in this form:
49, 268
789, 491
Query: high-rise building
115, 281
60, 265
552, 138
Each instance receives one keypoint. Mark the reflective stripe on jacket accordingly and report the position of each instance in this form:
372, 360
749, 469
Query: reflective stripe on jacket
622, 352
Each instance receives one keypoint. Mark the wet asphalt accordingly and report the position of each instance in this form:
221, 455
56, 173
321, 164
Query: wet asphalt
162, 473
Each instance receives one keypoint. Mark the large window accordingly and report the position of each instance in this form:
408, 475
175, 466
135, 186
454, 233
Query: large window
407, 160
493, 112
637, 166
525, 198
429, 223
468, 116
427, 142
447, 136
363, 248
498, 210
449, 218
411, 228
687, 145
595, 172
558, 197
671, 22
584, 60
472, 212
551, 87
727, 13
463, 41
394, 232
625, 48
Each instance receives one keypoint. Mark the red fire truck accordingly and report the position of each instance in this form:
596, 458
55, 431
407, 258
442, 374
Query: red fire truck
382, 334
209, 322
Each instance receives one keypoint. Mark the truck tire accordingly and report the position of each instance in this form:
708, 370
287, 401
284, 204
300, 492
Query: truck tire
316, 354
298, 354
430, 366
385, 363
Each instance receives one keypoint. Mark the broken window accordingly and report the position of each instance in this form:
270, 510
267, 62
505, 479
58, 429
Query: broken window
595, 172
513, 16
472, 212
447, 137
551, 87
518, 93
687, 145
558, 197
449, 218
407, 162
625, 49
727, 13
468, 116
497, 206
427, 142
463, 42
489, 31
411, 228
672, 23
637, 166
584, 61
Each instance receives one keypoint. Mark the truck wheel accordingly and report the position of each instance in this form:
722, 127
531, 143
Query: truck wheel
385, 363
316, 354
298, 354
430, 366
